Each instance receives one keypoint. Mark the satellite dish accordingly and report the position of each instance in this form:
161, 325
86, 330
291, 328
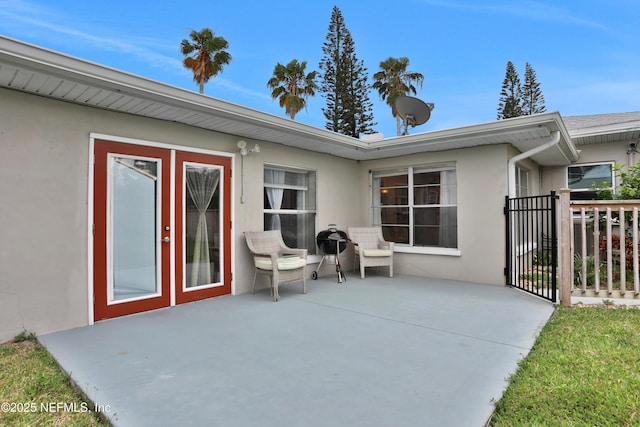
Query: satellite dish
413, 111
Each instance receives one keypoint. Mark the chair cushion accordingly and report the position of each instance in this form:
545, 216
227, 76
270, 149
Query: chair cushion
288, 263
376, 252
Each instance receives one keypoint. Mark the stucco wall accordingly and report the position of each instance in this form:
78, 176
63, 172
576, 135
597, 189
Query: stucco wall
482, 185
44, 179
337, 197
43, 214
535, 177
44, 169
555, 178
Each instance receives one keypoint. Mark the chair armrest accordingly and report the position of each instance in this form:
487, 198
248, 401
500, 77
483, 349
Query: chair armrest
263, 254
302, 253
386, 245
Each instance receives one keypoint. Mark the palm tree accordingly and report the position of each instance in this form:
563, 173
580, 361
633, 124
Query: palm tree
209, 58
393, 80
291, 86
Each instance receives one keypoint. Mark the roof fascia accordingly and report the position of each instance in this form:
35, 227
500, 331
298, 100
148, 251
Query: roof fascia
500, 128
80, 70
606, 129
41, 59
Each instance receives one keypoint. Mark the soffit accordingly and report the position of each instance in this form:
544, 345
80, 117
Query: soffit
35, 70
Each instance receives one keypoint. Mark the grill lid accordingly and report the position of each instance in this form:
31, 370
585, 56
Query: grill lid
327, 240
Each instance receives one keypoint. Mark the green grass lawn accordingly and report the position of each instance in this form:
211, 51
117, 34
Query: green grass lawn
35, 392
584, 370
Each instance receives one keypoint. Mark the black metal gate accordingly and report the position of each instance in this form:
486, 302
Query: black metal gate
532, 244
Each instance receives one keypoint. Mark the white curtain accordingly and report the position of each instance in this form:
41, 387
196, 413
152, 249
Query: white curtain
448, 196
274, 195
376, 202
201, 185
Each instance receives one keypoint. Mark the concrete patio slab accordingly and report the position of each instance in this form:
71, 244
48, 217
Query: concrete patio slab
406, 351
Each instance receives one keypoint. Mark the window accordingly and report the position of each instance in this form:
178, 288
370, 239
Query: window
417, 206
522, 182
582, 179
290, 205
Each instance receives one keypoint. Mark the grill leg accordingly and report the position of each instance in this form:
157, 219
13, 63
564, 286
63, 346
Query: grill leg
341, 277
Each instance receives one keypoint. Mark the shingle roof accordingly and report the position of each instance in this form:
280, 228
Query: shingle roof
597, 128
594, 120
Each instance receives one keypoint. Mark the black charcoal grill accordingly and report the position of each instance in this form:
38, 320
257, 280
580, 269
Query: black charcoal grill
331, 243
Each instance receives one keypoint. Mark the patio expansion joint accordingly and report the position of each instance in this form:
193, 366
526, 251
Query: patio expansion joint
417, 325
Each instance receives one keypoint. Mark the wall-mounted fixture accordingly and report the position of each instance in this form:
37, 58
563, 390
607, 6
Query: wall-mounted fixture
242, 145
632, 150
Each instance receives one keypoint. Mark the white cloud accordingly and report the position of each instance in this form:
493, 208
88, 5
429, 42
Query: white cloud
23, 15
23, 18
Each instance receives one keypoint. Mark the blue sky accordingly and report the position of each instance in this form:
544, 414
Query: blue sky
586, 53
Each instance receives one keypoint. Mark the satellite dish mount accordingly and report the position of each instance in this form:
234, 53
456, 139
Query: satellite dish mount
413, 111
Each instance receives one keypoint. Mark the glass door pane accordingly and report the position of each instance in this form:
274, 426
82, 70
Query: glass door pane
134, 228
202, 225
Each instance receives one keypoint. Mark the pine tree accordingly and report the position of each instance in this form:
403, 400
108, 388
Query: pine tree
532, 98
510, 104
344, 82
329, 67
357, 116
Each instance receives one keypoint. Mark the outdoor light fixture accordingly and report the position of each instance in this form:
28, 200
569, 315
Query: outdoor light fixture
632, 150
242, 145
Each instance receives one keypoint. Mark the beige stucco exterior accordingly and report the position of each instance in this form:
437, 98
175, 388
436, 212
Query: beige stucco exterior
53, 106
47, 198
44, 182
46, 175
45, 179
482, 184
555, 178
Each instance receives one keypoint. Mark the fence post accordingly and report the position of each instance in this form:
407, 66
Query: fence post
564, 252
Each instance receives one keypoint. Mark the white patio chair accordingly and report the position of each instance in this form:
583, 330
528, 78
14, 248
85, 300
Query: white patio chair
272, 257
370, 248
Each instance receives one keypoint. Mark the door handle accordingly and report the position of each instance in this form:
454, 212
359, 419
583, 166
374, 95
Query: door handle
166, 239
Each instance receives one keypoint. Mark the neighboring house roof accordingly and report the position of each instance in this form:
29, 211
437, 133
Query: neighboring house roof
32, 69
599, 128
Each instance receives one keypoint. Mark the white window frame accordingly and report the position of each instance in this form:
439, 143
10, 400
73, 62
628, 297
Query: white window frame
409, 170
305, 191
585, 190
522, 181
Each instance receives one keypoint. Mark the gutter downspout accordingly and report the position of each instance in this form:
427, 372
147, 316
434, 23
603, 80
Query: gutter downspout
511, 168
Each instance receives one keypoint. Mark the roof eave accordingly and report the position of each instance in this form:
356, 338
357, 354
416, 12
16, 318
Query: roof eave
252, 123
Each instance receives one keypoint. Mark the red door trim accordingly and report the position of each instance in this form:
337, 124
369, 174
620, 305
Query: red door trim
102, 310
225, 162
